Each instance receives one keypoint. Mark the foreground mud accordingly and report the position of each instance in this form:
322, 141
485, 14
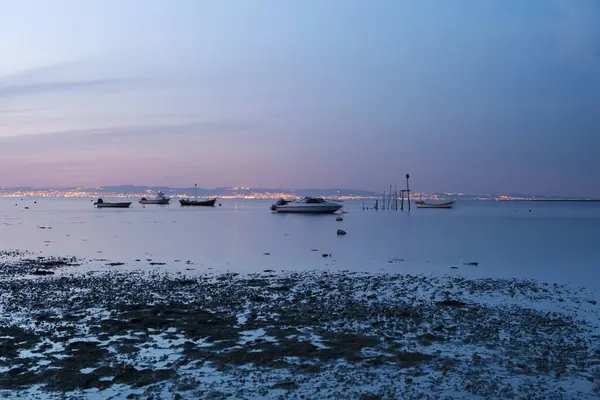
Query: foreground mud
290, 335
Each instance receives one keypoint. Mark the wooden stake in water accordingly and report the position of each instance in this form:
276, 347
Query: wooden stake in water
408, 191
402, 200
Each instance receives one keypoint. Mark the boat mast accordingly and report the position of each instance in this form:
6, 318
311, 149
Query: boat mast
196, 185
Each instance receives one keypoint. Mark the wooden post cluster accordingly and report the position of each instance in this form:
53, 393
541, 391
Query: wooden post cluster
390, 200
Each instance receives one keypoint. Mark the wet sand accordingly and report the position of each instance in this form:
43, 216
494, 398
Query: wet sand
311, 334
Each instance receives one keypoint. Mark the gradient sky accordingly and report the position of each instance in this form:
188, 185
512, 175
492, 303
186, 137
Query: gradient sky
466, 96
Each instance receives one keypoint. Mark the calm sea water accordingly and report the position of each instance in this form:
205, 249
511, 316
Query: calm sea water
554, 242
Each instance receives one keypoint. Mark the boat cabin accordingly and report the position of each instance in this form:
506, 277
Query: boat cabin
312, 200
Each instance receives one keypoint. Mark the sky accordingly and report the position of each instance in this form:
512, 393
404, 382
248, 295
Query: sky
467, 96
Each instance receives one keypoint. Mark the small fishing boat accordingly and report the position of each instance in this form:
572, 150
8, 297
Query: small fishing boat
308, 205
159, 199
422, 204
103, 204
206, 203
196, 202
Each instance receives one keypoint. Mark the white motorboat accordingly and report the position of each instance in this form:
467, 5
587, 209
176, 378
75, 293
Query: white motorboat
159, 199
306, 205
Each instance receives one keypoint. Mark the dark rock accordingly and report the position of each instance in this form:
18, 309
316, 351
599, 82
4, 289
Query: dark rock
451, 303
287, 385
369, 396
42, 272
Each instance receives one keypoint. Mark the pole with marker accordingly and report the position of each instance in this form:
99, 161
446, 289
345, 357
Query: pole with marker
408, 191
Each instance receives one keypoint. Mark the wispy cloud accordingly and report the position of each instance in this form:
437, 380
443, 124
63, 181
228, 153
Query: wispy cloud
43, 71
61, 86
122, 134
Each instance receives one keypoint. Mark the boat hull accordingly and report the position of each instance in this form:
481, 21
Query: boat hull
113, 205
198, 203
324, 209
422, 204
160, 201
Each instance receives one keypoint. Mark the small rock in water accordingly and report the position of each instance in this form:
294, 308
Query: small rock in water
325, 255
339, 219
341, 232
453, 267
267, 254
473, 263
42, 272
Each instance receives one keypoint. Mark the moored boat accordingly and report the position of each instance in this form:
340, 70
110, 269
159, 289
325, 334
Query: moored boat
196, 202
205, 203
423, 204
309, 205
104, 204
159, 199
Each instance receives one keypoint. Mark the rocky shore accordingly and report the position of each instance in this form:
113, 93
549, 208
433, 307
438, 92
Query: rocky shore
151, 334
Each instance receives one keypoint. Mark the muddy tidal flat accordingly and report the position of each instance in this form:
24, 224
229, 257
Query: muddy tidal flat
313, 334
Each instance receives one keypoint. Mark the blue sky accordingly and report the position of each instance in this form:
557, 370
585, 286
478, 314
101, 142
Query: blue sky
467, 96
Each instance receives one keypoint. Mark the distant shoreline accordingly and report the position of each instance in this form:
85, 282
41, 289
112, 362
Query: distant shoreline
557, 200
275, 197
